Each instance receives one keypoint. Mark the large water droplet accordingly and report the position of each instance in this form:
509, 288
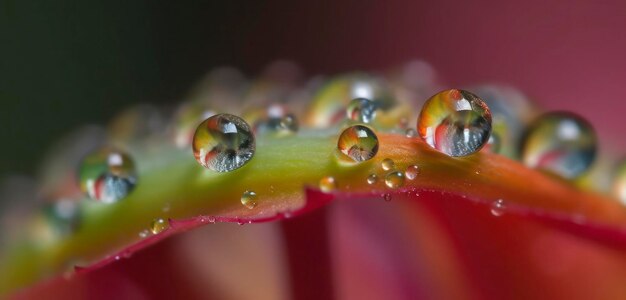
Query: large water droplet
394, 179
361, 110
107, 175
359, 143
561, 143
455, 122
412, 172
223, 143
249, 199
328, 184
497, 207
159, 225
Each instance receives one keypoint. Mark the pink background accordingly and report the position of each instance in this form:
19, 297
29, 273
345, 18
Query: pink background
567, 55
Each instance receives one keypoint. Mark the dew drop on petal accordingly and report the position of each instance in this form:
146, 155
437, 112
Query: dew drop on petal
249, 199
455, 122
144, 233
410, 133
328, 184
359, 143
497, 207
159, 225
411, 172
223, 143
63, 216
561, 143
387, 197
361, 110
107, 175
372, 179
394, 179
388, 164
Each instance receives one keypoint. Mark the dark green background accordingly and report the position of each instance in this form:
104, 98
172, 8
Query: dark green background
67, 63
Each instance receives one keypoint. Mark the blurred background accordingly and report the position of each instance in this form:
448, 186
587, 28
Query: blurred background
68, 63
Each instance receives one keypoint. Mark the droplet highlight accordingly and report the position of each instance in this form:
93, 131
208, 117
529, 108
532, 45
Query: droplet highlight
328, 184
411, 172
387, 164
372, 179
394, 179
249, 199
107, 175
455, 122
561, 143
223, 143
497, 207
159, 225
358, 143
361, 110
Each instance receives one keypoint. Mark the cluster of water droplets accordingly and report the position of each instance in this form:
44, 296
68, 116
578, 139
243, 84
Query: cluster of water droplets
221, 131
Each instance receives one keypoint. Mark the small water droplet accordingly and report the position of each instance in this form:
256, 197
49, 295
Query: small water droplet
328, 184
144, 233
497, 207
388, 164
361, 110
394, 179
249, 199
107, 175
387, 197
410, 133
359, 143
159, 225
117, 257
211, 219
372, 179
411, 172
223, 143
455, 122
561, 143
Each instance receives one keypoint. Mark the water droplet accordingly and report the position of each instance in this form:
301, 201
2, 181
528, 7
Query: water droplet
394, 179
561, 143
358, 143
455, 122
211, 219
223, 143
497, 207
328, 184
361, 110
329, 104
372, 179
159, 225
387, 197
107, 175
278, 121
388, 164
411, 133
63, 216
249, 199
411, 172
144, 233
